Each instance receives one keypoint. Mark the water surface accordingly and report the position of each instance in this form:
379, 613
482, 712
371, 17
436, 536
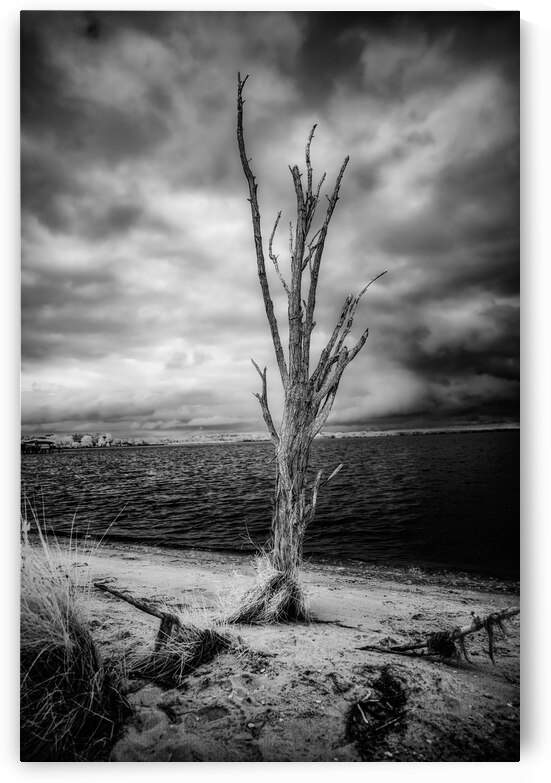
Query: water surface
436, 500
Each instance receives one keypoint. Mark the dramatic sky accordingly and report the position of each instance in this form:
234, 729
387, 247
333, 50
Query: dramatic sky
141, 306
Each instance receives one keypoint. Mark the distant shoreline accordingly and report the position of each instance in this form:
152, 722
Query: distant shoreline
228, 438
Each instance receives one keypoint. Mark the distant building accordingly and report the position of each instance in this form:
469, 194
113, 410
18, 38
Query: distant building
38, 446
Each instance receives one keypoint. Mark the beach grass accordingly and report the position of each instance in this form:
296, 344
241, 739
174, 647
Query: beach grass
71, 702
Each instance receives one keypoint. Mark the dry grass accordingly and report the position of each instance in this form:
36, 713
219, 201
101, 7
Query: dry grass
70, 701
275, 597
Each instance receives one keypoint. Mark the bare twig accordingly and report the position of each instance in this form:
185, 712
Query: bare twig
333, 474
388, 723
362, 713
263, 400
274, 257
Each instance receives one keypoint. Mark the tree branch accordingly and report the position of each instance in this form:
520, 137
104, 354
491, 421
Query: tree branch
325, 354
263, 400
311, 508
333, 474
308, 162
334, 349
316, 262
311, 248
352, 313
255, 213
274, 257
332, 376
143, 607
322, 180
324, 411
295, 299
321, 242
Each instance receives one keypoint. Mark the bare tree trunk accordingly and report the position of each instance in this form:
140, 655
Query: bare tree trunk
308, 397
290, 515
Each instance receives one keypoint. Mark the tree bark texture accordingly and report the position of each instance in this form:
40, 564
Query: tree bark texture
308, 396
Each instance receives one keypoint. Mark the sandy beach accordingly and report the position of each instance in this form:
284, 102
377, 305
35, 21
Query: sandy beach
287, 692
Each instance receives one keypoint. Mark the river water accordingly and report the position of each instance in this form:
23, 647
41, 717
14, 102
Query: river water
447, 501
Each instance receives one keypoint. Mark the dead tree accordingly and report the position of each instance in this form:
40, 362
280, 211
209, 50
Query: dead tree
308, 396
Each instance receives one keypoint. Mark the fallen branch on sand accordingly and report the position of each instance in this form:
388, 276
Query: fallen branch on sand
168, 621
179, 647
451, 644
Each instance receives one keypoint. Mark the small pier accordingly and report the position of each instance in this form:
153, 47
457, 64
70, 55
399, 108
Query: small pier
38, 446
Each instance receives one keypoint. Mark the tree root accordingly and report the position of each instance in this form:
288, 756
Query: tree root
276, 597
451, 644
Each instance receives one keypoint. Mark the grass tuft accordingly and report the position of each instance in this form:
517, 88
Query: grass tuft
71, 705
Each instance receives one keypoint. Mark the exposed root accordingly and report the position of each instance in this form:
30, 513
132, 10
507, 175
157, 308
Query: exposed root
451, 644
275, 597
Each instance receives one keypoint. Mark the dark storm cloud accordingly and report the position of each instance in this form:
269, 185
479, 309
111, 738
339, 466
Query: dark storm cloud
335, 41
41, 103
474, 201
139, 406
494, 270
45, 182
58, 106
138, 268
116, 219
491, 350
118, 135
49, 184
57, 288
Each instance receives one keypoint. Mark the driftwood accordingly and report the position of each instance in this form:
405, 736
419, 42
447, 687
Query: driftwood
179, 648
446, 643
168, 621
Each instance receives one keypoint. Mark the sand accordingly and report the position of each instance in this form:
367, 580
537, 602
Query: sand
287, 692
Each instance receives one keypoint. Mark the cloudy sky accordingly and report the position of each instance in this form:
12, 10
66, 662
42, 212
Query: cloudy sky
141, 307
